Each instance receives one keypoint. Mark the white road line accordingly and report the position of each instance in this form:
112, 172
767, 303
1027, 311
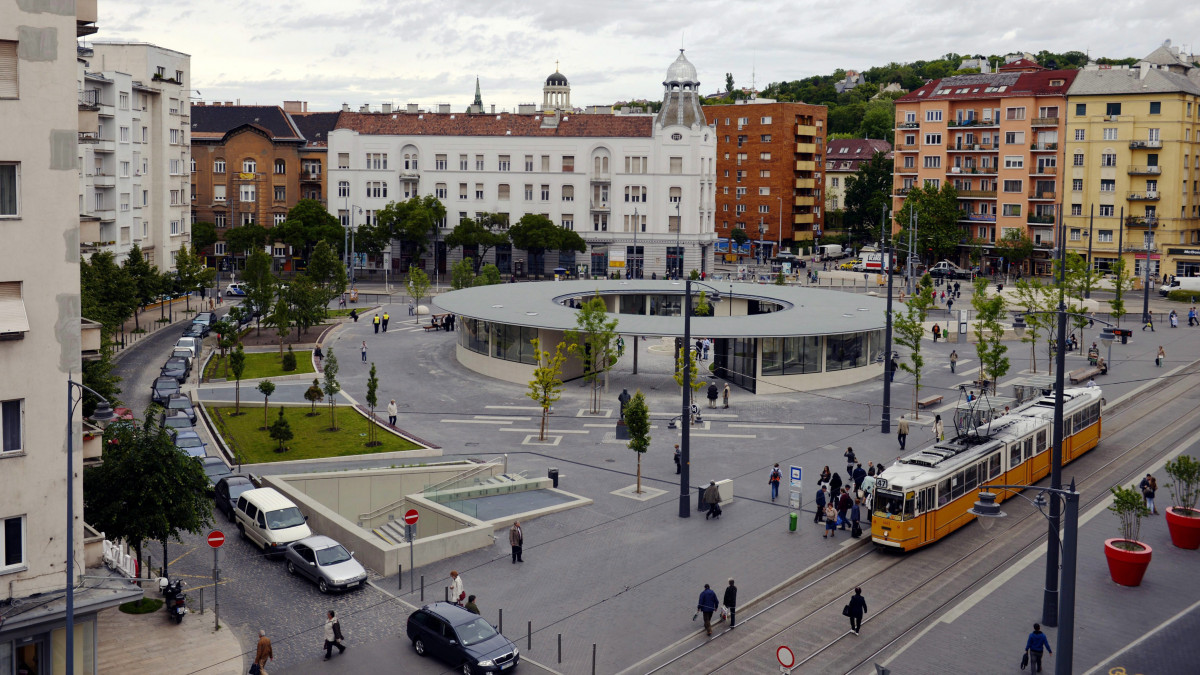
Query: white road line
703, 412
513, 407
557, 431
476, 421
610, 425
495, 417
742, 425
702, 435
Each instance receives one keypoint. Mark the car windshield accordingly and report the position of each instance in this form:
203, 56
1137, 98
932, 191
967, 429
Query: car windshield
284, 518
475, 632
889, 503
180, 422
179, 404
189, 442
332, 555
236, 489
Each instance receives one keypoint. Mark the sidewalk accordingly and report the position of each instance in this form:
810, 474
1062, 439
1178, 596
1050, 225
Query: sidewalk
151, 643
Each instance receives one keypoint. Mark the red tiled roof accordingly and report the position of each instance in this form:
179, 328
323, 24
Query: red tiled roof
858, 150
498, 124
985, 86
1020, 65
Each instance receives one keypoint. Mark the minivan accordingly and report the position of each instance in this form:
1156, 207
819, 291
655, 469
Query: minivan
270, 520
461, 639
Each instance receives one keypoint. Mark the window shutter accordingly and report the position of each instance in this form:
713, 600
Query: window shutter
8, 69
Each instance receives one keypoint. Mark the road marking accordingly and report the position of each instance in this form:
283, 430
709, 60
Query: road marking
703, 435
1143, 638
604, 412
502, 419
476, 421
513, 407
557, 431
703, 413
609, 426
741, 425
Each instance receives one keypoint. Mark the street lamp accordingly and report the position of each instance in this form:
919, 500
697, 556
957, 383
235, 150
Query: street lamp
685, 509
986, 511
103, 413
1146, 281
762, 232
885, 267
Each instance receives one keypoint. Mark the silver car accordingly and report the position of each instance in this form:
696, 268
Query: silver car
325, 562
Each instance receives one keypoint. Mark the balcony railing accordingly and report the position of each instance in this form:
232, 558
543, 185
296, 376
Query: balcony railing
89, 137
972, 170
1135, 170
310, 176
1040, 219
1134, 145
900, 192
908, 125
600, 206
1042, 194
979, 217
1142, 196
1044, 171
1045, 122
1039, 147
907, 148
973, 123
1140, 221
89, 99
970, 147
988, 194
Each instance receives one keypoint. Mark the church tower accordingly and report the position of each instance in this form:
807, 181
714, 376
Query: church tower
681, 98
477, 105
556, 94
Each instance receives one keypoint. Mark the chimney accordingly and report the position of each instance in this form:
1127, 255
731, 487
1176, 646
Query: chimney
1145, 69
229, 103
387, 108
345, 107
443, 108
412, 108
526, 108
493, 108
365, 108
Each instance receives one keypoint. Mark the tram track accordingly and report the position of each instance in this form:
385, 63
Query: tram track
928, 582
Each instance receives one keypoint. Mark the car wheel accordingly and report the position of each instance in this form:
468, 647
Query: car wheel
322, 586
290, 567
419, 647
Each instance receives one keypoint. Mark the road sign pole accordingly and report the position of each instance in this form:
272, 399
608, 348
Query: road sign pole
408, 534
216, 591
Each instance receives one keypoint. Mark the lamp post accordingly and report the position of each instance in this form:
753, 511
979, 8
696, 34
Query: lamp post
103, 413
885, 425
1106, 336
685, 509
780, 248
762, 232
1146, 280
987, 512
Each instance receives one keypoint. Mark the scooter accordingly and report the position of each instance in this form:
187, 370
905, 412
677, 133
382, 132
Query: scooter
175, 598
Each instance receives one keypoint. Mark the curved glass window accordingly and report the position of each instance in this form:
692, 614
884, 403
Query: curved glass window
513, 343
474, 335
792, 356
845, 351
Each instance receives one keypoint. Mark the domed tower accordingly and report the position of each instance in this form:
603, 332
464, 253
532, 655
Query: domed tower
556, 94
681, 98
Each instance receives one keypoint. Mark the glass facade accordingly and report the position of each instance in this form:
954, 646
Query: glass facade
845, 351
474, 335
799, 355
633, 304
513, 343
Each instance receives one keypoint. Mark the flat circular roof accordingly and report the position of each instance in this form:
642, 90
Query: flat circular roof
806, 311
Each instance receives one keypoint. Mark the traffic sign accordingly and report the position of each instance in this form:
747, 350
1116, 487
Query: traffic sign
786, 658
410, 517
216, 538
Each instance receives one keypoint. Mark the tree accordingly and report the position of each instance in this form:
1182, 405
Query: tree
418, 284
1035, 302
145, 489
260, 283
281, 431
462, 274
107, 293
309, 303
227, 337
537, 234
594, 341
484, 233
1076, 284
909, 329
702, 307
281, 319
326, 271
879, 118
412, 221
372, 403
868, 197
307, 225
728, 94
331, 387
1121, 283
237, 361
266, 388
546, 385
1015, 247
98, 376
739, 236
249, 237
686, 358
488, 276
637, 421
988, 334
142, 278
204, 235
938, 233
190, 273
312, 395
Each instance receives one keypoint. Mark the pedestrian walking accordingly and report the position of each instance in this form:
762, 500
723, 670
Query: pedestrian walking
1149, 486
364, 351
830, 520
843, 507
902, 432
939, 429
712, 395
412, 309
392, 412
949, 305
895, 367
730, 602
1034, 646
773, 481
375, 321
822, 499
516, 539
263, 653
1162, 356
851, 460
856, 514
706, 606
678, 467
318, 355
871, 469
725, 395
1149, 321
457, 594
1174, 317
707, 347
860, 474
953, 359
835, 486
1192, 319
333, 635
712, 499
855, 610
937, 332
386, 318
471, 606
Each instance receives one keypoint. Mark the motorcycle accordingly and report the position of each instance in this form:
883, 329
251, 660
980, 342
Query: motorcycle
175, 598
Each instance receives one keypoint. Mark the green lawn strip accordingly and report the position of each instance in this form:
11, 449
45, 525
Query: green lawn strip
142, 606
312, 438
261, 364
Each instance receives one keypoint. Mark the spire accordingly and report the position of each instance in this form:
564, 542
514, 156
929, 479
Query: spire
478, 99
556, 65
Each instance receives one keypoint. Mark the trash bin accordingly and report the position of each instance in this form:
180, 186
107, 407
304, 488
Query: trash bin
792, 521
700, 505
552, 474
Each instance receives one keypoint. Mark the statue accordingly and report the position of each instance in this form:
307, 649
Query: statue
624, 399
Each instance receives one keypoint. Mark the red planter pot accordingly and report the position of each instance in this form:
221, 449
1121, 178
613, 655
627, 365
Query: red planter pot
1127, 567
1185, 530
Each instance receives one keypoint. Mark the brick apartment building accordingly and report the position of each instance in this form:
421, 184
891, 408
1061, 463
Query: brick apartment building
769, 157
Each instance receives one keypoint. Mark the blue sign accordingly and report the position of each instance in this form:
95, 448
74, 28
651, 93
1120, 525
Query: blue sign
796, 473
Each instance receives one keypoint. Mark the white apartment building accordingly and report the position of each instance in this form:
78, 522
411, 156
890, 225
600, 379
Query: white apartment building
639, 189
143, 149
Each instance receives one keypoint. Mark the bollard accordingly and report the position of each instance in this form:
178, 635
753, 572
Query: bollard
422, 588
560, 647
593, 658
500, 628
400, 577
529, 637
447, 591
792, 521
201, 600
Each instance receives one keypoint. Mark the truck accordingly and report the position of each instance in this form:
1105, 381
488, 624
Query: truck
874, 261
1181, 284
831, 252
948, 270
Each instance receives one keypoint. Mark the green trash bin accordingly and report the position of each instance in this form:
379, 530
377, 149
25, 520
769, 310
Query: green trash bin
792, 521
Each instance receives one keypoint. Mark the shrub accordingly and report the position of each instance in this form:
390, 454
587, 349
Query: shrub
289, 360
1130, 507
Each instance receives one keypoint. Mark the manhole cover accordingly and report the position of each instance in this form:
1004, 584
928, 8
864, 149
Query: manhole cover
610, 460
471, 445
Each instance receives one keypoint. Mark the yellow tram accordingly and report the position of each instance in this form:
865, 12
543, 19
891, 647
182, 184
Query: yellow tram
928, 494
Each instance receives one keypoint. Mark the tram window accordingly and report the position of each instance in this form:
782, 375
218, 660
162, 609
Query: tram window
1014, 454
943, 492
1077, 422
908, 507
956, 485
1041, 441
994, 466
972, 478
1096, 412
925, 500
1028, 447
889, 503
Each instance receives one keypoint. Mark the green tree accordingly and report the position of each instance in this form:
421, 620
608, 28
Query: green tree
637, 421
142, 278
260, 283
204, 235
546, 385
413, 222
312, 395
485, 232
879, 119
308, 223
237, 361
249, 237
989, 333
537, 234
107, 293
1121, 284
280, 319
227, 337
739, 236
309, 303
372, 403
1075, 285
702, 307
190, 273
867, 196
685, 357
594, 341
145, 489
331, 387
1034, 300
98, 376
266, 388
729, 95
909, 328
281, 431
418, 284
462, 274
938, 233
1015, 247
488, 276
326, 271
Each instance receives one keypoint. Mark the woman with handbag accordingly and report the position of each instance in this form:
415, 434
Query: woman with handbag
830, 519
457, 594
939, 430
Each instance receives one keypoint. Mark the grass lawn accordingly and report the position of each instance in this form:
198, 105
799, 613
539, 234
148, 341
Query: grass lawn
143, 606
312, 438
341, 312
261, 364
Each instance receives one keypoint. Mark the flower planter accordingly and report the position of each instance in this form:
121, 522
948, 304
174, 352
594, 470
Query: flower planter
1127, 567
1185, 530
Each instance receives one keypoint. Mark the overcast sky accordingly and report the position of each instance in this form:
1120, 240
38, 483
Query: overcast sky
430, 51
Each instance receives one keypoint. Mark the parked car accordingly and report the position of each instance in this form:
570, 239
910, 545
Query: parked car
182, 403
189, 442
206, 318
461, 639
327, 563
176, 420
177, 368
162, 389
196, 330
235, 289
185, 353
227, 491
270, 520
190, 341
851, 264
216, 470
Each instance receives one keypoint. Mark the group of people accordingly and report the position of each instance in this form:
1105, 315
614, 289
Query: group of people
713, 394
840, 504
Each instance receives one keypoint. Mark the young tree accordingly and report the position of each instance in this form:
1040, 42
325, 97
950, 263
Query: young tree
488, 276
1015, 247
418, 284
312, 395
1121, 283
227, 337
637, 421
546, 385
266, 388
988, 334
281, 319
142, 278
739, 236
1032, 296
462, 274
107, 293
372, 402
702, 307
331, 387
189, 272
260, 283
686, 358
98, 376
326, 271
908, 329
237, 361
308, 302
595, 342
281, 431
484, 232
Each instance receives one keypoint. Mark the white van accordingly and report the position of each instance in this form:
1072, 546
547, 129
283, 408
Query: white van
270, 520
1181, 284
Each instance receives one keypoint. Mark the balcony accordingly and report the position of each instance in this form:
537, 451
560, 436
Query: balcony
1040, 219
901, 192
1044, 171
978, 217
977, 194
89, 137
315, 176
89, 99
973, 123
1043, 194
1142, 196
85, 17
908, 125
600, 178
1149, 145
907, 148
105, 145
804, 219
806, 130
600, 207
806, 148
805, 165
89, 334
805, 201
1141, 221
1043, 147
802, 183
106, 215
968, 147
104, 180
971, 171
89, 229
1044, 122
1144, 170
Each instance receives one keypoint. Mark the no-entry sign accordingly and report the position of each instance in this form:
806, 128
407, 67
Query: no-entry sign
410, 517
216, 538
786, 658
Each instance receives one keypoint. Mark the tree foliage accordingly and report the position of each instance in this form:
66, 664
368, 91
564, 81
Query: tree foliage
372, 403
908, 330
204, 235
266, 388
326, 271
1015, 247
1033, 298
637, 421
260, 283
1121, 284
546, 386
594, 341
988, 334
537, 234
98, 376
413, 222
280, 430
739, 236
418, 283
488, 276
281, 319
867, 197
331, 387
462, 274
308, 224
244, 238
937, 214
485, 232
312, 395
143, 277
107, 292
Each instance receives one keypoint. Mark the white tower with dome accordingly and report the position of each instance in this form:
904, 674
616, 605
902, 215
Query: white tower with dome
556, 94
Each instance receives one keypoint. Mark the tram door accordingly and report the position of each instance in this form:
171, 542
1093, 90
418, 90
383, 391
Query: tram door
925, 507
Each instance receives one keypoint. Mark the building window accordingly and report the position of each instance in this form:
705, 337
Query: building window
1110, 133
280, 167
1156, 108
12, 436
376, 160
933, 115
764, 191
175, 228
1077, 209
1077, 185
528, 192
1014, 137
933, 139
249, 166
1104, 236
1106, 210
1012, 209
505, 163
1077, 159
545, 193
1014, 113
1080, 109
568, 164
764, 156
12, 543
1108, 159
220, 220
377, 189
833, 181
1076, 234
1108, 185
676, 165
278, 219
910, 162
439, 162
462, 190
568, 222
502, 191
933, 162
175, 197
1014, 161
343, 160
763, 208
637, 193
8, 189
479, 191
246, 193
280, 193
765, 138
439, 191
343, 188
1012, 186
765, 120
219, 166
1112, 109
218, 193
568, 193
529, 163
1081, 134
479, 162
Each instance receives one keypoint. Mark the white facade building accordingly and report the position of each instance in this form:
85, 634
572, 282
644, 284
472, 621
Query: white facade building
620, 181
159, 148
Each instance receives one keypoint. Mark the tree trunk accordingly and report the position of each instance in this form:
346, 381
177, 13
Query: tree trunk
542, 431
164, 567
916, 396
639, 474
138, 326
237, 397
266, 424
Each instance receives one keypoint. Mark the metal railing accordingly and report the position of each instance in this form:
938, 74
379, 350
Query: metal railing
1136, 170
1044, 121
1142, 196
1040, 219
89, 99
1042, 194
1134, 145
1043, 146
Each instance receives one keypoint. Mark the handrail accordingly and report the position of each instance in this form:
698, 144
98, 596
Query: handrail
469, 473
371, 515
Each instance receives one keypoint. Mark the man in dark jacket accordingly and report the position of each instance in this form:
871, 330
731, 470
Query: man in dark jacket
858, 607
843, 505
712, 395
859, 475
820, 505
730, 602
1036, 643
706, 606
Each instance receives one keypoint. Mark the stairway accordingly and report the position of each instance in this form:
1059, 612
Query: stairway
391, 532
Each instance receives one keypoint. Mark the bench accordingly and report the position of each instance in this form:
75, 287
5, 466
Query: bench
430, 326
928, 401
1081, 374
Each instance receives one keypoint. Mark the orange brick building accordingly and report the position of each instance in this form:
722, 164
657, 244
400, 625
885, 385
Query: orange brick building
769, 157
